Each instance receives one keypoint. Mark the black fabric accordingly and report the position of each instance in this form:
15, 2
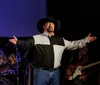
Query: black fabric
42, 55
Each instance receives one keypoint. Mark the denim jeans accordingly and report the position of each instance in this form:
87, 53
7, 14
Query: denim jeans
46, 77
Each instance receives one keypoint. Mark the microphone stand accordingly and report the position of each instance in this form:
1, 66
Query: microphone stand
25, 69
23, 63
17, 65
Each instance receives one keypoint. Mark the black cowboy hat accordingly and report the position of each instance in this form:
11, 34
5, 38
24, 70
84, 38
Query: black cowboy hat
42, 21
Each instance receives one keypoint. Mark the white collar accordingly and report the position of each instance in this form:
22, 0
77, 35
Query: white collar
45, 33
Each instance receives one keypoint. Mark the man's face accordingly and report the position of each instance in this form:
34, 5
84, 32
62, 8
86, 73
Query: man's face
49, 27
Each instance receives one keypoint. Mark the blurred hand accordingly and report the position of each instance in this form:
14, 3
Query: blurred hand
14, 40
83, 77
91, 38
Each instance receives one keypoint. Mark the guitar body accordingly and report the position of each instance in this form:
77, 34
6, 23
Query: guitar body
73, 71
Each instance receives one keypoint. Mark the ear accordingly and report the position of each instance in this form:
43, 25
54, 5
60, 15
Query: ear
43, 27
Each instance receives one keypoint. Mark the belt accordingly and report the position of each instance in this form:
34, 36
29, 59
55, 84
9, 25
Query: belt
48, 69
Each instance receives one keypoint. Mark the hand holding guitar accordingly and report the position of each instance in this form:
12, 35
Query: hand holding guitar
78, 70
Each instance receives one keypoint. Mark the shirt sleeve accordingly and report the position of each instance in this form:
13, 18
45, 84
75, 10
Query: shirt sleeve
25, 44
72, 45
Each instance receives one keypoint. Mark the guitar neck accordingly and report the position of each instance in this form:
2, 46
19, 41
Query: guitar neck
90, 65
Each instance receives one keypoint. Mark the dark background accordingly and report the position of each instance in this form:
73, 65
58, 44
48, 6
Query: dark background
79, 18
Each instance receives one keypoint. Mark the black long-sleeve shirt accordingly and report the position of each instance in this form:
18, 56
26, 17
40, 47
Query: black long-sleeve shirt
48, 50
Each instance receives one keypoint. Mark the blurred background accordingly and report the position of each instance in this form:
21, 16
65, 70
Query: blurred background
78, 19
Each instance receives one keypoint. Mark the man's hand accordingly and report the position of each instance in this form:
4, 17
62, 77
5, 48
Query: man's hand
91, 38
14, 40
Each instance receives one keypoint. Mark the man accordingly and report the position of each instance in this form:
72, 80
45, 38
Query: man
48, 49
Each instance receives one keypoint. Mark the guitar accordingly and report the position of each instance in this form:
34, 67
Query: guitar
73, 71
